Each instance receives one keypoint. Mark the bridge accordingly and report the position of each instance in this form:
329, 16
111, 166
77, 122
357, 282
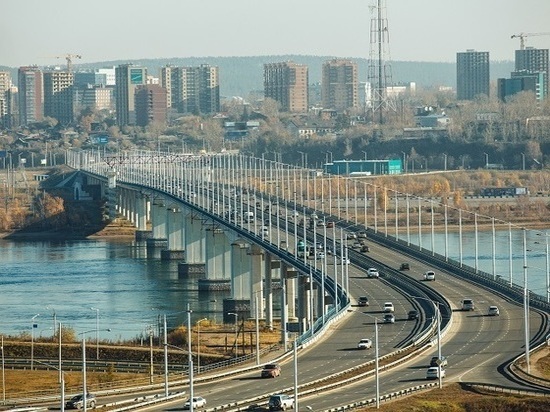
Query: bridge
236, 221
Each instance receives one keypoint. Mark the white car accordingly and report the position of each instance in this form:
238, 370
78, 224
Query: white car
388, 307
429, 275
364, 344
372, 273
198, 402
389, 318
433, 373
493, 311
320, 255
344, 261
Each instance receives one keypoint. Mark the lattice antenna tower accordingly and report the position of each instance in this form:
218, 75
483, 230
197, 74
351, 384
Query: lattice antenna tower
379, 73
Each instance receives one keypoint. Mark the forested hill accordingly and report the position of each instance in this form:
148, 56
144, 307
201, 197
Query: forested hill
241, 75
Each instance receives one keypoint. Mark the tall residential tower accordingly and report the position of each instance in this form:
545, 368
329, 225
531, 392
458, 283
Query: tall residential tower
128, 77
287, 83
472, 74
340, 85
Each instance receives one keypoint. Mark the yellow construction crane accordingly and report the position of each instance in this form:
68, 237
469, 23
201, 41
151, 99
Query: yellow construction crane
522, 37
69, 57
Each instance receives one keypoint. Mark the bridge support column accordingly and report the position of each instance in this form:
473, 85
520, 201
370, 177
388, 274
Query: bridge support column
240, 270
142, 205
268, 293
174, 228
194, 246
218, 260
256, 281
306, 292
158, 223
291, 276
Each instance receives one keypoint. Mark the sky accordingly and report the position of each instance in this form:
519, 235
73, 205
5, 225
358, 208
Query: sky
38, 31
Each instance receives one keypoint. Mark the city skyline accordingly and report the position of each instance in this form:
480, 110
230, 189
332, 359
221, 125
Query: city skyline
43, 33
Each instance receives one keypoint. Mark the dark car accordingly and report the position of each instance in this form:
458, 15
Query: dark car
271, 370
404, 266
434, 361
363, 301
413, 315
77, 402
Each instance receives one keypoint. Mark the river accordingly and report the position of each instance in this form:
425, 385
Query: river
132, 290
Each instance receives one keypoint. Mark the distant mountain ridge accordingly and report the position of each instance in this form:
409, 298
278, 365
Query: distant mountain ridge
241, 75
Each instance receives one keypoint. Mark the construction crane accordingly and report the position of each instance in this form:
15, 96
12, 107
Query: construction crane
522, 37
69, 57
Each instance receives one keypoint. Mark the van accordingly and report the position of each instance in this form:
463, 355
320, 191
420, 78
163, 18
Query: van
468, 304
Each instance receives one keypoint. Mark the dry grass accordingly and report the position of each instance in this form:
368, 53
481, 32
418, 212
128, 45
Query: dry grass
454, 398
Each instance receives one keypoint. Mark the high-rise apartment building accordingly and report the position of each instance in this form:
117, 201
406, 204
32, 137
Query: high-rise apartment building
5, 84
128, 78
58, 96
534, 61
287, 83
31, 94
472, 74
192, 89
150, 105
340, 85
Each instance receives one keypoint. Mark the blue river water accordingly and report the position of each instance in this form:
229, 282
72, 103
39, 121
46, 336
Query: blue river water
131, 289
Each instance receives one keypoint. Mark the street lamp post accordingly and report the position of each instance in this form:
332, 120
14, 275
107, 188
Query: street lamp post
236, 332
96, 332
3, 373
84, 384
523, 161
486, 160
190, 359
61, 384
33, 327
199, 344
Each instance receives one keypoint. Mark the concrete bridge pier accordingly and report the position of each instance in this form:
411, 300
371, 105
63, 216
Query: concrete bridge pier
142, 211
174, 232
241, 266
158, 223
194, 246
256, 287
218, 260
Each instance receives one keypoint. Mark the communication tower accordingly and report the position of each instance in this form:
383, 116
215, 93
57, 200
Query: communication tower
379, 74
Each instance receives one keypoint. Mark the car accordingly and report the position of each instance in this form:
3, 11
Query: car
468, 304
356, 245
362, 235
344, 261
264, 231
77, 402
372, 273
434, 359
363, 301
404, 266
388, 307
429, 275
389, 318
433, 372
364, 344
351, 235
198, 402
320, 255
413, 315
493, 311
365, 249
280, 402
271, 370
330, 224
321, 223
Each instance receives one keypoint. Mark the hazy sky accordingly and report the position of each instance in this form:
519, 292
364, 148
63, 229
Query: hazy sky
35, 31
